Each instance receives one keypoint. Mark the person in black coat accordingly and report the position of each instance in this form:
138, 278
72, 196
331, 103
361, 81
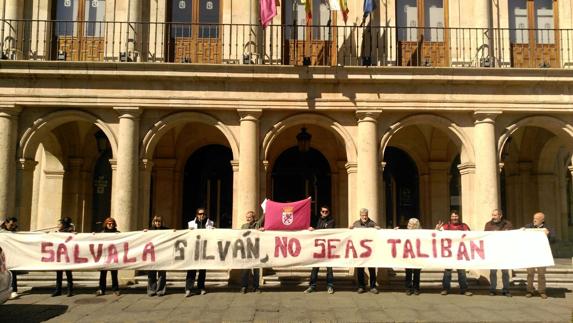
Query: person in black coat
326, 221
65, 225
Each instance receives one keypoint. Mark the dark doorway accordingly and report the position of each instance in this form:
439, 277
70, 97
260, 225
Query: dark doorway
101, 197
297, 175
208, 183
401, 187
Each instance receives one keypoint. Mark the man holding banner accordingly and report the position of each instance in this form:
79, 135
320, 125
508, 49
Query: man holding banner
538, 223
201, 221
455, 224
498, 223
251, 224
365, 222
326, 221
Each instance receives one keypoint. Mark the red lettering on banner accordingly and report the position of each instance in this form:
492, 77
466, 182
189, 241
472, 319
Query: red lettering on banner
126, 258
368, 250
350, 247
77, 258
111, 254
393, 242
446, 247
96, 256
332, 248
46, 248
419, 250
434, 248
286, 246
462, 250
408, 249
149, 250
322, 244
62, 251
480, 251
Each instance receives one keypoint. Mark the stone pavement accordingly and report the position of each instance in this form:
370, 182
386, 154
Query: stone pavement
288, 304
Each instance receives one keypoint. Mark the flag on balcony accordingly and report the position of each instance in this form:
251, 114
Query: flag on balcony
268, 10
369, 6
334, 5
344, 9
308, 10
287, 216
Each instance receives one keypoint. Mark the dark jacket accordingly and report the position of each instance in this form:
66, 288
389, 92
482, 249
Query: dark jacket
253, 226
550, 236
367, 224
325, 223
105, 230
160, 228
502, 225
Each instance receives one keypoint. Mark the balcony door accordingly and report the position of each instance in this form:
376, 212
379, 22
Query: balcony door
195, 31
421, 32
79, 30
309, 43
533, 36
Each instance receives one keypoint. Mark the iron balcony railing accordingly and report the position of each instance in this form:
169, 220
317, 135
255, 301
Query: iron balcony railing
109, 41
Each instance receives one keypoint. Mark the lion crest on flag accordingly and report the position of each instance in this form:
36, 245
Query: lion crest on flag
287, 215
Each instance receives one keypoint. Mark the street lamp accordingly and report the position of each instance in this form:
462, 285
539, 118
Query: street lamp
303, 140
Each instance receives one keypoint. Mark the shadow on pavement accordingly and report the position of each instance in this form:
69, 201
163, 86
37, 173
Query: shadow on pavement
30, 312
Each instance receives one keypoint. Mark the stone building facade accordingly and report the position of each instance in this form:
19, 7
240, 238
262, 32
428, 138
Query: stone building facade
137, 108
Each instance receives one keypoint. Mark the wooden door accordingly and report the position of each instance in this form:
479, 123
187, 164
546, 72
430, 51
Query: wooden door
533, 33
79, 30
422, 33
195, 33
309, 42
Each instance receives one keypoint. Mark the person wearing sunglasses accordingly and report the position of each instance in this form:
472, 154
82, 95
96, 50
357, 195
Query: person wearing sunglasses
201, 221
326, 221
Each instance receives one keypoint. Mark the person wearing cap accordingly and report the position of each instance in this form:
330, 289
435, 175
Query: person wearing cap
498, 223
201, 221
64, 225
109, 226
365, 222
326, 221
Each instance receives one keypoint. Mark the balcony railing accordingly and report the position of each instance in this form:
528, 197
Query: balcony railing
106, 41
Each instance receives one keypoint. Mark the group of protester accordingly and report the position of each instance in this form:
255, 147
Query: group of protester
157, 279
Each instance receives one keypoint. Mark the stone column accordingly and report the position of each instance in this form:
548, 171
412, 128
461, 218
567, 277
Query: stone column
467, 172
248, 162
125, 186
351, 170
367, 179
24, 188
487, 192
164, 190
8, 139
236, 218
11, 32
134, 29
145, 167
439, 189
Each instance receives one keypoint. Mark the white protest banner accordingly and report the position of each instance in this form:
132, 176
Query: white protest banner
226, 249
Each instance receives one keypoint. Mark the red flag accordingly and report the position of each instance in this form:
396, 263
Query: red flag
287, 216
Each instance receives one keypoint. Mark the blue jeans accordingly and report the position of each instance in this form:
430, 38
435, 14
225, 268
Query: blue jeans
504, 279
462, 280
314, 277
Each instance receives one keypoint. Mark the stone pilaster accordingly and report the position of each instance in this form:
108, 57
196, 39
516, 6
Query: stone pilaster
25, 184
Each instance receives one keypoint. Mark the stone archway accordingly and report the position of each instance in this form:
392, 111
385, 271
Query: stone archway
57, 156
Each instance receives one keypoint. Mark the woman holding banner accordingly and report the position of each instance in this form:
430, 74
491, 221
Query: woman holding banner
65, 225
156, 279
412, 279
109, 226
